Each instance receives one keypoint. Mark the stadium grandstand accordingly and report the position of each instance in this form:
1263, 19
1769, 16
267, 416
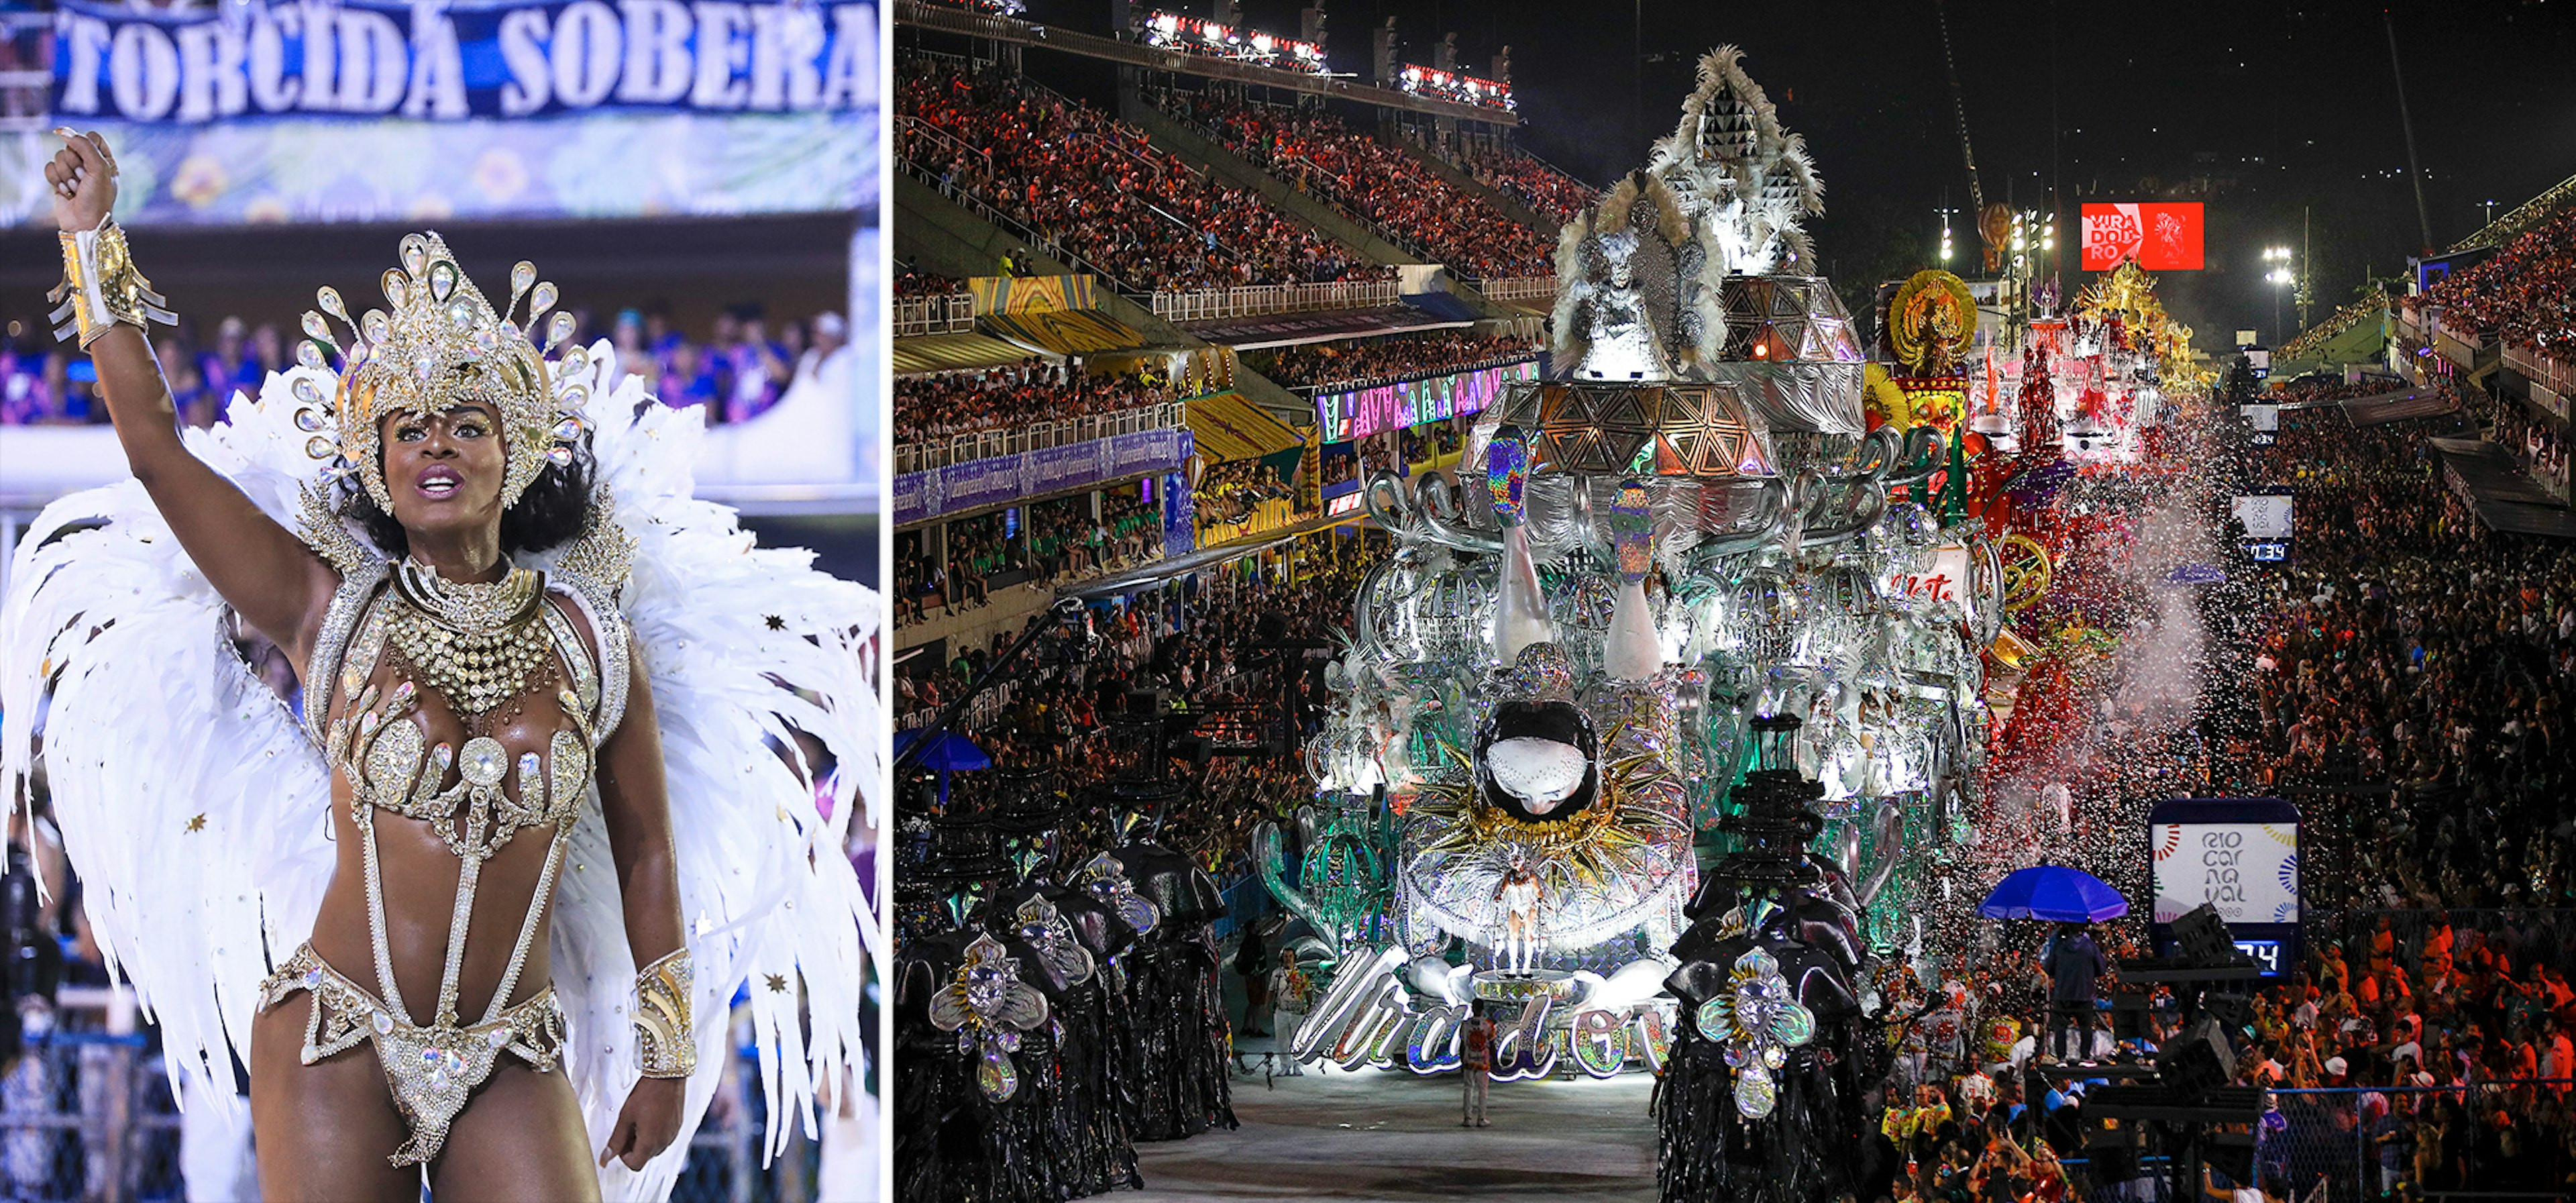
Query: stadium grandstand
2491, 321
1165, 296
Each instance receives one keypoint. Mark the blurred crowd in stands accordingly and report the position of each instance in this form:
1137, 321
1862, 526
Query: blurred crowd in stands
736, 372
1359, 363
977, 400
2524, 294
1377, 182
1074, 176
1538, 185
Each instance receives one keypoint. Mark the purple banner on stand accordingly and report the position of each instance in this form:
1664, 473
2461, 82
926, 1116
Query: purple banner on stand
1056, 468
915, 497
981, 482
1145, 451
1002, 479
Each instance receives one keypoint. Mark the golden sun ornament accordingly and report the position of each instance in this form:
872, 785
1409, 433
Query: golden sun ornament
1589, 848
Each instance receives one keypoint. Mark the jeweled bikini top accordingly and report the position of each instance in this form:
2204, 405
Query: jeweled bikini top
486, 649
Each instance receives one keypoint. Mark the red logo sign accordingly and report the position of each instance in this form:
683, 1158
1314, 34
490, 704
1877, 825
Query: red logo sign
2160, 236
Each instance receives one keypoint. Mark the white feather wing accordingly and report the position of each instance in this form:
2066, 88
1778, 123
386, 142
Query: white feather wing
191, 804
742, 647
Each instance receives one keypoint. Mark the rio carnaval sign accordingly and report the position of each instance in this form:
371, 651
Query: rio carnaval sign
1368, 1018
451, 60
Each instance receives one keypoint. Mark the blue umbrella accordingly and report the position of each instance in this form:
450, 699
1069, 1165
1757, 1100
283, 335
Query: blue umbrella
2053, 892
953, 753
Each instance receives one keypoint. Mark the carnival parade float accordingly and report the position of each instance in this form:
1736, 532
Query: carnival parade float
1668, 726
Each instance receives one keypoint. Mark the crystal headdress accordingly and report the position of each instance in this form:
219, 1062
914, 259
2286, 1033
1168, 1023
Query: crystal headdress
440, 347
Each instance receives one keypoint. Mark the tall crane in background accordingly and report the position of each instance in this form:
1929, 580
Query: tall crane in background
1959, 105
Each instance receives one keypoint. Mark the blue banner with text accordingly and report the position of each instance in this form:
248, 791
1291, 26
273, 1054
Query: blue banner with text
450, 60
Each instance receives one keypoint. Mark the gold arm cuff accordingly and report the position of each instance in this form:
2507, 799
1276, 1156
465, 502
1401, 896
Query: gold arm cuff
665, 1041
101, 287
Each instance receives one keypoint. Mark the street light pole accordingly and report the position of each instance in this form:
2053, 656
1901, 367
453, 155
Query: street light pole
2279, 275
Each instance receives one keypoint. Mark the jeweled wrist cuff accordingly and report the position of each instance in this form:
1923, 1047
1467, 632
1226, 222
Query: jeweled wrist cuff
664, 1041
101, 286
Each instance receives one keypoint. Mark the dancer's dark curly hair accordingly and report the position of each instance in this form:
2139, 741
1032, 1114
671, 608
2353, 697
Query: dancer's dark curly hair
550, 511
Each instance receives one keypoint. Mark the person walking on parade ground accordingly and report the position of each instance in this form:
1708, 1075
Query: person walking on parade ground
1252, 960
2075, 967
1476, 1066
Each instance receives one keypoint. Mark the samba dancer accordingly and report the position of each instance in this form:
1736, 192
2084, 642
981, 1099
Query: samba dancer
428, 532
1517, 894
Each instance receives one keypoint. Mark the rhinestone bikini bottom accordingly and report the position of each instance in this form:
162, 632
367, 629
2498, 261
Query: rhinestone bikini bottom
430, 1070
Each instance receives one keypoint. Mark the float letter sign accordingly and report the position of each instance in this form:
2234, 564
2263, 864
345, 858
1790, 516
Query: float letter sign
2160, 236
1368, 1018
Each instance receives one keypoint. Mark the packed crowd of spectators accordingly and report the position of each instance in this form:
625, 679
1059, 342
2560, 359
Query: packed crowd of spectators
1058, 539
1360, 363
1095, 186
2314, 388
2407, 644
1234, 490
976, 400
2524, 294
911, 283
2542, 448
739, 370
1964, 1119
1362, 458
2429, 662
1197, 647
1538, 185
1378, 183
2411, 1051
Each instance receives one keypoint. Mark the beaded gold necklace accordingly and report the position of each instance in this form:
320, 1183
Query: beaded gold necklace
479, 645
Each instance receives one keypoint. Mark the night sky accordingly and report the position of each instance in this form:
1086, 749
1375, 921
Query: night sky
2284, 105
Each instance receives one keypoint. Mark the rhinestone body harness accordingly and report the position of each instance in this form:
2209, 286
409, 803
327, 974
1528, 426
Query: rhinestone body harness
485, 649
